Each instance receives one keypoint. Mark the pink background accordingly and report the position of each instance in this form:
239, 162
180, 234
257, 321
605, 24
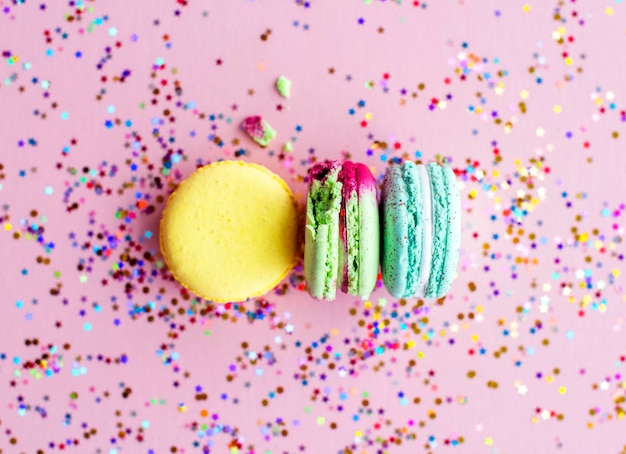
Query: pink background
101, 352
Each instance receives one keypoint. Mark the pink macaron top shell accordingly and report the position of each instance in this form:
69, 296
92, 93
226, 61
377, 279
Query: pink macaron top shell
356, 178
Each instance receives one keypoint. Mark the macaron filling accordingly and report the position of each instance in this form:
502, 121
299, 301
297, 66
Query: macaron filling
440, 228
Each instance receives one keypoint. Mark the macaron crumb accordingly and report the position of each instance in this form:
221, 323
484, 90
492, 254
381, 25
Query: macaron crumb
259, 130
288, 147
283, 86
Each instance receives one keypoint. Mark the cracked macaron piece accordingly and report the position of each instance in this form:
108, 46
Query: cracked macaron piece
421, 225
283, 86
342, 230
259, 130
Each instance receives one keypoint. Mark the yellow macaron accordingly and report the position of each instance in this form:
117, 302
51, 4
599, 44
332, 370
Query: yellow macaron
229, 231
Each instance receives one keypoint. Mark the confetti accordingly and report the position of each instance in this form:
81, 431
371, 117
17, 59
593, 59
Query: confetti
104, 352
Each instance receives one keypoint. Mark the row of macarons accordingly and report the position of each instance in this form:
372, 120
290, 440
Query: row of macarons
412, 234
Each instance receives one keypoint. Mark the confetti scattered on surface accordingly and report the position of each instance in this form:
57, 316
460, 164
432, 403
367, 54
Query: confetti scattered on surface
102, 117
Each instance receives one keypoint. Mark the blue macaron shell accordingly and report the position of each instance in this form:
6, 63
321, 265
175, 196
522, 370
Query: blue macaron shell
402, 229
394, 257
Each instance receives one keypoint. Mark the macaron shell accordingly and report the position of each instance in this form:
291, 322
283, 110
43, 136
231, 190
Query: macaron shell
315, 251
369, 244
440, 227
395, 255
453, 237
321, 240
427, 223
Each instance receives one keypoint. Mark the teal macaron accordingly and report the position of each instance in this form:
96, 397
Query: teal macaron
421, 230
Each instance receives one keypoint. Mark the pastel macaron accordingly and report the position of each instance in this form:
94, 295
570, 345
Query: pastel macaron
342, 239
421, 230
229, 232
